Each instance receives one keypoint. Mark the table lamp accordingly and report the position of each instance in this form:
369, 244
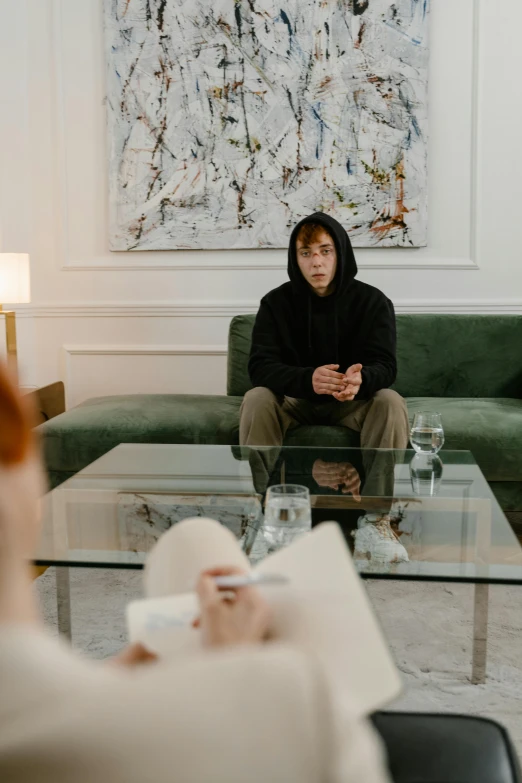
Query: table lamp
15, 289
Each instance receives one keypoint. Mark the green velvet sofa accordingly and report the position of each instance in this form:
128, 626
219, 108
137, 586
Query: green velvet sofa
467, 367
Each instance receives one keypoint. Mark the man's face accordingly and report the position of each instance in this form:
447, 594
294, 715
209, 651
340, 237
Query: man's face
318, 263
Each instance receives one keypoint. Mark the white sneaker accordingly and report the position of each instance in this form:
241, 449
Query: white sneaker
376, 543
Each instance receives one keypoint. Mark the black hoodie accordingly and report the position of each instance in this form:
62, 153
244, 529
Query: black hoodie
297, 331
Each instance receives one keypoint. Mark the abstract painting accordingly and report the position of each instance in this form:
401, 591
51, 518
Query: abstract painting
230, 120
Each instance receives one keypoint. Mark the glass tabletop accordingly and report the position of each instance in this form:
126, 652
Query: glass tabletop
404, 516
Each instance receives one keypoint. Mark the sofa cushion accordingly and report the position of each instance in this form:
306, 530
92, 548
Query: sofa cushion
239, 341
459, 355
490, 428
321, 435
437, 355
508, 495
81, 435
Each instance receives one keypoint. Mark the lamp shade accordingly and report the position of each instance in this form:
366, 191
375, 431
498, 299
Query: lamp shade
15, 285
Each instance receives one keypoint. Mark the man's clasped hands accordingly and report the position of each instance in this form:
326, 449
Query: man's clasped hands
343, 386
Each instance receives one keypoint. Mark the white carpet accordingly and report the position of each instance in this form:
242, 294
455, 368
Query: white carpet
428, 627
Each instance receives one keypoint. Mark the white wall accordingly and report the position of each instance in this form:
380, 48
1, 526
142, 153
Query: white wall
130, 322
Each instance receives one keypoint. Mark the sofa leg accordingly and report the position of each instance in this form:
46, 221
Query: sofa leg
480, 634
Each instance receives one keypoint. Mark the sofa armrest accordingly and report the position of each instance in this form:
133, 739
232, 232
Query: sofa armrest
48, 401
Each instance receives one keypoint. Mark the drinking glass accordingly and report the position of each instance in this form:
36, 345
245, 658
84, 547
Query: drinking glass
426, 474
287, 514
427, 435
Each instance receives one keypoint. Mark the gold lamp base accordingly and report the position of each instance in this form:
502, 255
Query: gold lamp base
10, 339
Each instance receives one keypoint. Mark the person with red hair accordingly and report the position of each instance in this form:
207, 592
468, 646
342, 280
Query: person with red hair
242, 709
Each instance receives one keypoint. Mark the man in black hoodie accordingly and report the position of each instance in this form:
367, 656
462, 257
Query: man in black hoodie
323, 348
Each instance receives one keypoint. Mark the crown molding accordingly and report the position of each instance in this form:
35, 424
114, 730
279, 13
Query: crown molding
228, 309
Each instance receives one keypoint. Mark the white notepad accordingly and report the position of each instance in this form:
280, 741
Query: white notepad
324, 610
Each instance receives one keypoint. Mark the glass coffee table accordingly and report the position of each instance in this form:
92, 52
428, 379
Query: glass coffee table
404, 516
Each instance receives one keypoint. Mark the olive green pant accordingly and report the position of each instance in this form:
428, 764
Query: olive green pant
382, 421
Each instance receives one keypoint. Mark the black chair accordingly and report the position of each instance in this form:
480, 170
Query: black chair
428, 748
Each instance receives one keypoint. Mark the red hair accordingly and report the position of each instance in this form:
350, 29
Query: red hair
310, 233
15, 423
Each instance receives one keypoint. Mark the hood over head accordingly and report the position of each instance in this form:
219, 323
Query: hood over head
346, 263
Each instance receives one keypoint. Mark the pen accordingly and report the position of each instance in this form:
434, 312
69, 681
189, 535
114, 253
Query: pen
242, 580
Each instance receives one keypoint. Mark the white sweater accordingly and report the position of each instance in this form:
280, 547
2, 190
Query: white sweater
244, 715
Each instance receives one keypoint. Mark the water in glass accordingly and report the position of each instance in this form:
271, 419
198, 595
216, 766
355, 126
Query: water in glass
428, 440
287, 515
427, 434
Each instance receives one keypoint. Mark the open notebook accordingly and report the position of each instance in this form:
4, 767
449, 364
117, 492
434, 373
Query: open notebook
324, 610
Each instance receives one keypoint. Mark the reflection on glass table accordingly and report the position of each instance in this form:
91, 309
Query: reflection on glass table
402, 518
443, 512
426, 474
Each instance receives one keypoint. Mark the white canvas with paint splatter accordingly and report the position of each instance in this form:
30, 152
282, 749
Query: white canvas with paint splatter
230, 120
